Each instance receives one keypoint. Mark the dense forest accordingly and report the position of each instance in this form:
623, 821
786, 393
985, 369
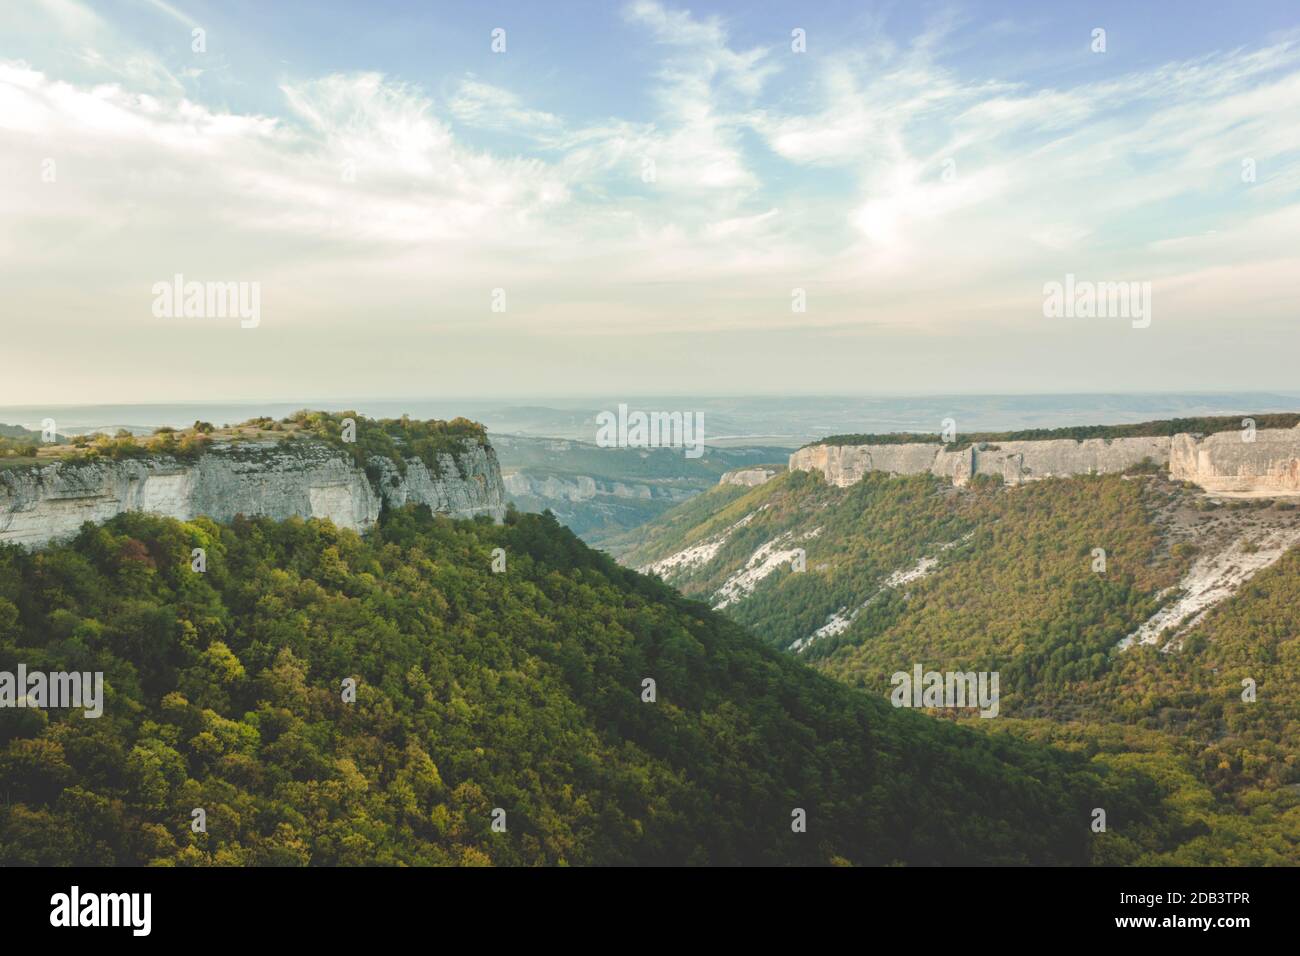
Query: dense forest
1014, 588
513, 697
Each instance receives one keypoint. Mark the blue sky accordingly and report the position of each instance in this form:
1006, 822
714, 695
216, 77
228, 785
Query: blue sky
648, 184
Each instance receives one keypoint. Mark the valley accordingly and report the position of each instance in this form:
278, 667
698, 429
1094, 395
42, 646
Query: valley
1131, 633
499, 716
1125, 613
602, 493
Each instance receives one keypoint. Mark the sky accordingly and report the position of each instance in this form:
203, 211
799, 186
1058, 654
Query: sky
517, 199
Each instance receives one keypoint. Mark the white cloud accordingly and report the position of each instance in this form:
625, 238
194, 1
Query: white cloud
364, 195
486, 106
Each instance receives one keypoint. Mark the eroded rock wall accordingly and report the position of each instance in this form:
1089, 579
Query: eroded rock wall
279, 480
1226, 463
1223, 462
748, 477
844, 465
1021, 461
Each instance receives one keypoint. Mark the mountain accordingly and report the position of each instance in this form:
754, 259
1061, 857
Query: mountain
1132, 615
431, 690
339, 466
300, 465
515, 696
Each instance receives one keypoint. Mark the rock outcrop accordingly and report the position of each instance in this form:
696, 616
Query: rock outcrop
748, 477
1266, 463
844, 465
1225, 463
1014, 461
303, 478
1020, 461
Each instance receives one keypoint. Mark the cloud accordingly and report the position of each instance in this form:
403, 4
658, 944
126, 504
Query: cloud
901, 189
171, 11
485, 106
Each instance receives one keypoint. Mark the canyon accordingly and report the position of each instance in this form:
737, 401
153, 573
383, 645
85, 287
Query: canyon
605, 494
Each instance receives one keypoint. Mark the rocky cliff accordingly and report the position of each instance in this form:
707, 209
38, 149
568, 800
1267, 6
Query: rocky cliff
748, 477
1265, 463
844, 465
1226, 464
303, 478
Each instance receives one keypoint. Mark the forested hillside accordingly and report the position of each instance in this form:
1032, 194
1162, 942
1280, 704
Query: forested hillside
477, 692
1041, 584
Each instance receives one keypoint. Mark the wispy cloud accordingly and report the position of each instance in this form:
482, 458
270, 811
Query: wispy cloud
902, 189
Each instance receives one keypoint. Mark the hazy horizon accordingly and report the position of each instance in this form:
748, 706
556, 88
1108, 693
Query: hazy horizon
728, 420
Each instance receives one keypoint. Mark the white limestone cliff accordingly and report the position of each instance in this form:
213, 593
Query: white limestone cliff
1226, 463
748, 477
303, 478
1268, 464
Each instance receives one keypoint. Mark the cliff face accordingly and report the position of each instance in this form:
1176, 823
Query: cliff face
1014, 461
1223, 462
1020, 461
844, 465
306, 479
748, 477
